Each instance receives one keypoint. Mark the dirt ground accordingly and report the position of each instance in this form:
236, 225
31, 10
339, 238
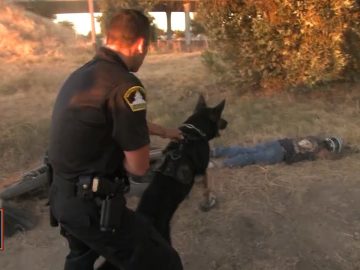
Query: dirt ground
300, 217
273, 217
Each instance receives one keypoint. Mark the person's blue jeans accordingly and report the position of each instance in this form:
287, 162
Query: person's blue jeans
264, 153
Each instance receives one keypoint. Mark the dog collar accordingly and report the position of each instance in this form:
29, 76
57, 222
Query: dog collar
192, 127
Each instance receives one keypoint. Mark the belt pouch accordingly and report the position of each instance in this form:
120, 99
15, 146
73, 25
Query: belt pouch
84, 187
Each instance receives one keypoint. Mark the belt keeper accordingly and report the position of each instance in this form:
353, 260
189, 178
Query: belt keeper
95, 184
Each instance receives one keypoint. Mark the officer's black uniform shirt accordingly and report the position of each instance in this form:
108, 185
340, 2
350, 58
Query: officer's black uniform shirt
99, 113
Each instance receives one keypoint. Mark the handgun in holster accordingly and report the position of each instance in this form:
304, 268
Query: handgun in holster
111, 212
49, 177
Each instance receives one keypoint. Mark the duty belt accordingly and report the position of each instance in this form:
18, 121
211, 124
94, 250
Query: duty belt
90, 186
105, 192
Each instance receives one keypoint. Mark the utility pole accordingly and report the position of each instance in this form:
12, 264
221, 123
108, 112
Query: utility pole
91, 11
187, 25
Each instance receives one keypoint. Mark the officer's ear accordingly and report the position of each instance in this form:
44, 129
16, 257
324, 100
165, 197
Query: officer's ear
140, 45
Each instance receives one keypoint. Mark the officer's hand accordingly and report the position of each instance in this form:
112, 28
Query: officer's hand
173, 134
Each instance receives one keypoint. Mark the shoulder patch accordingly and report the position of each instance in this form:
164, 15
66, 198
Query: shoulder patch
135, 98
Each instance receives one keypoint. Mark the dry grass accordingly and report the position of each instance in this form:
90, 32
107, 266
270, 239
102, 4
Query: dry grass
37, 57
301, 217
279, 217
174, 82
27, 93
263, 118
24, 34
26, 97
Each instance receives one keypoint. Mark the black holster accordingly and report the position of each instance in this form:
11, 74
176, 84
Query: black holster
110, 191
111, 212
49, 176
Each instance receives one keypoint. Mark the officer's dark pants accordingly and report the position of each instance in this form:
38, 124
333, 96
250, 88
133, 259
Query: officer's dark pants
135, 245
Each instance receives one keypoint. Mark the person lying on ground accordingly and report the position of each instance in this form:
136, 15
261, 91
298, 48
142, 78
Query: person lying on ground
287, 150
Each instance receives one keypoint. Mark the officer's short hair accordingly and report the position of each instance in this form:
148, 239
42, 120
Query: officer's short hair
127, 26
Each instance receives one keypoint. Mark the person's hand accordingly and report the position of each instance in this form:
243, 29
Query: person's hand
167, 133
173, 134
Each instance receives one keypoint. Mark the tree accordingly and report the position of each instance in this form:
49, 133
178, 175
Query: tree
196, 27
282, 43
179, 34
110, 7
156, 32
67, 24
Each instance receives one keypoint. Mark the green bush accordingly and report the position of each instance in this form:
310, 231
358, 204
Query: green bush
282, 44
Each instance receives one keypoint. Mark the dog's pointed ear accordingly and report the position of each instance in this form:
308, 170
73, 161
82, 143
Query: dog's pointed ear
217, 110
201, 103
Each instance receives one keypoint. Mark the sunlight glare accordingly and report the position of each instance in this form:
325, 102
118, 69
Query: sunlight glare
82, 24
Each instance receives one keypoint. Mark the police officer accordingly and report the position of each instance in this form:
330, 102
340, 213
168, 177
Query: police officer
98, 133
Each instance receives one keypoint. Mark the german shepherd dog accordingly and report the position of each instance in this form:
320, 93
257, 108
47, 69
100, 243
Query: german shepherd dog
182, 161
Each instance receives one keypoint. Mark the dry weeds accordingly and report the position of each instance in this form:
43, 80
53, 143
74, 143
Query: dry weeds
26, 35
301, 217
36, 57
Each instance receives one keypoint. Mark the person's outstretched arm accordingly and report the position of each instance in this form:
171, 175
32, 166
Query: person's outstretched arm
168, 133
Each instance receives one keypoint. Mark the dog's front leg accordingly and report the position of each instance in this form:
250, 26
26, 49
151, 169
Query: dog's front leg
209, 197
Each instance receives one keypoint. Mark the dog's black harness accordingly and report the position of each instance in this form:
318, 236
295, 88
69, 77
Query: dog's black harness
174, 163
193, 134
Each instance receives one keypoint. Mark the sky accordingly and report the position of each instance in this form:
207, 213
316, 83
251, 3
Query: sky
82, 25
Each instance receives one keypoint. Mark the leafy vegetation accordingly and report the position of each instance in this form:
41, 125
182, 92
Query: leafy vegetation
67, 24
111, 7
282, 44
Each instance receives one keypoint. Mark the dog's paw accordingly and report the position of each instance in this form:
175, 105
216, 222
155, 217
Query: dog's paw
208, 203
215, 164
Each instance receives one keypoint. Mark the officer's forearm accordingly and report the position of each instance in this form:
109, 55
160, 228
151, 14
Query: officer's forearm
157, 130
169, 133
135, 170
